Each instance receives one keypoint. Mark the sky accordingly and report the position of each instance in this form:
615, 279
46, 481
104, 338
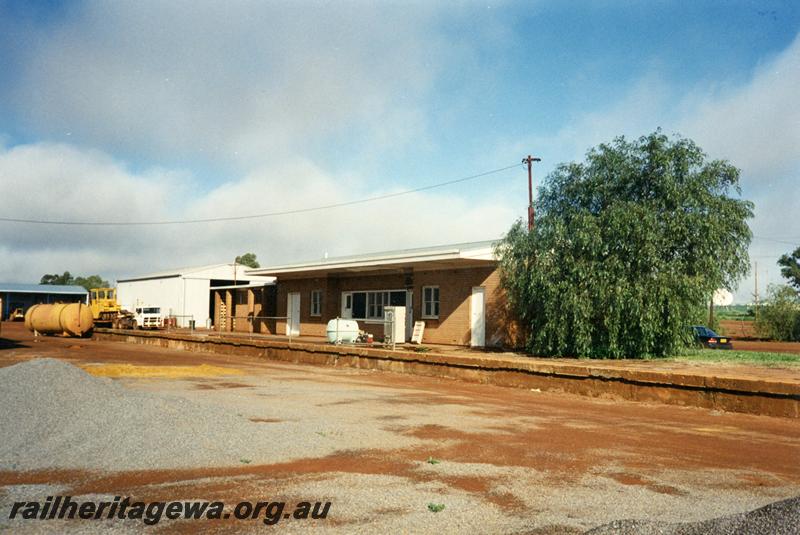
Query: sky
159, 111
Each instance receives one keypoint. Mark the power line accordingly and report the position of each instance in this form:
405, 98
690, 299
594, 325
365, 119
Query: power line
777, 240
257, 216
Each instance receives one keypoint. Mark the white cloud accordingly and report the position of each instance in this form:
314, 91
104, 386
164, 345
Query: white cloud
756, 126
241, 82
60, 182
252, 88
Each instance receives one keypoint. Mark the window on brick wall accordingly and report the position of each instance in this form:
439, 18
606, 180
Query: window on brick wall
430, 302
369, 305
316, 302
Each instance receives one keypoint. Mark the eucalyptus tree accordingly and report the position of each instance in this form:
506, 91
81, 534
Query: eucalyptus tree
790, 268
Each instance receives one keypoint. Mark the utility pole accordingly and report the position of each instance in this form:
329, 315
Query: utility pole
756, 294
529, 160
711, 313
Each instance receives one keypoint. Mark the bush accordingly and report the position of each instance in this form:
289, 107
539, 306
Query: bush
779, 317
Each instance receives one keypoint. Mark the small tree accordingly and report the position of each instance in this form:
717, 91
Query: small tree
248, 259
627, 249
790, 268
779, 317
92, 281
55, 278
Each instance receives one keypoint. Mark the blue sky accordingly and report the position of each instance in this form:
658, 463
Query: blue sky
165, 110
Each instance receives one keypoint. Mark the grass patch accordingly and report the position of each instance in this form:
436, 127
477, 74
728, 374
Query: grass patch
733, 316
435, 507
735, 312
431, 460
732, 356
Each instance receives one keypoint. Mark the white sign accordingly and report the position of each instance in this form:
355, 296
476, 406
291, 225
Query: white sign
419, 329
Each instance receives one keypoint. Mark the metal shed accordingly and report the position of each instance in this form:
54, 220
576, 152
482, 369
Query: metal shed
18, 295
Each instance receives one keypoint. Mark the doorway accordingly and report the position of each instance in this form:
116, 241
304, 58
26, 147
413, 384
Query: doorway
477, 313
293, 309
409, 313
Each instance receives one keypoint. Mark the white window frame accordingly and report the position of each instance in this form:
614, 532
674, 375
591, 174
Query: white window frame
316, 303
435, 303
375, 302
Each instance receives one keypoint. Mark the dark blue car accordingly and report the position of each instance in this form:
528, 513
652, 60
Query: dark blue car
708, 338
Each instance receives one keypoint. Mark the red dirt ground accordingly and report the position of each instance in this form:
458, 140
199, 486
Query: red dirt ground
772, 347
738, 329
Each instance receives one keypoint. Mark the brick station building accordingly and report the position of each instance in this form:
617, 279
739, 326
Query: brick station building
454, 289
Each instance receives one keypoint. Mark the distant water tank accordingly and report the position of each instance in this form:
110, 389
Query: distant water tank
69, 319
722, 298
341, 330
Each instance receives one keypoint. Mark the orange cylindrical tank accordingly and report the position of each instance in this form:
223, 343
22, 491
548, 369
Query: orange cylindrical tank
69, 319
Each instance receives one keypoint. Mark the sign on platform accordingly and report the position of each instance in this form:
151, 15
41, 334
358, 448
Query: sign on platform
419, 329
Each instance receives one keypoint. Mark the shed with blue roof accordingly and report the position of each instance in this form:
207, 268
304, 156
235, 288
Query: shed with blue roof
16, 295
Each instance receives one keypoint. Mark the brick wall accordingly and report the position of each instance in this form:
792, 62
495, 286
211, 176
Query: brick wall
455, 290
309, 325
260, 302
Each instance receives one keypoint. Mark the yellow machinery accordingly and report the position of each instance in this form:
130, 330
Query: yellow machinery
106, 311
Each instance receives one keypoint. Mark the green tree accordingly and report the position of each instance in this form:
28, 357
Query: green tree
248, 259
790, 268
92, 281
779, 317
55, 278
627, 249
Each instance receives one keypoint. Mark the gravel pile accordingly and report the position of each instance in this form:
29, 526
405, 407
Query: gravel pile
55, 415
778, 518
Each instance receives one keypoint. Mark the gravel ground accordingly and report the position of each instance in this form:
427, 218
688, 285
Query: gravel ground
55, 415
779, 518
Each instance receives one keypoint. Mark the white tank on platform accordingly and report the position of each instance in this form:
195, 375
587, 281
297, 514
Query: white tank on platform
341, 330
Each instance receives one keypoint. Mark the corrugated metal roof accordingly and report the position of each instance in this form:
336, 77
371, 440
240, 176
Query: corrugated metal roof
177, 272
241, 271
14, 287
482, 250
